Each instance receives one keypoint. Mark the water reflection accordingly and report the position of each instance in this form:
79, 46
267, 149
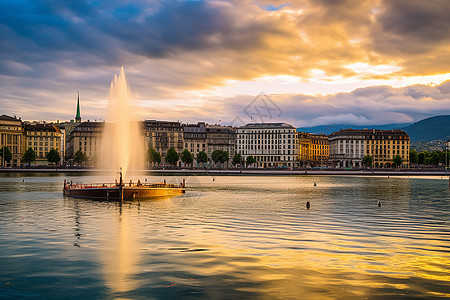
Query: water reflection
238, 237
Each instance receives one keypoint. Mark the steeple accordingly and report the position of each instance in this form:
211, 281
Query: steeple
78, 116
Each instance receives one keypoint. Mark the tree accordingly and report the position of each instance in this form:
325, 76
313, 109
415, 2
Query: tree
172, 156
187, 157
6, 154
397, 160
421, 157
153, 156
29, 156
435, 158
368, 160
202, 157
413, 156
80, 157
220, 156
53, 156
237, 159
250, 160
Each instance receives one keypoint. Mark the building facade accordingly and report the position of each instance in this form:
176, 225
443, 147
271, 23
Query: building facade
220, 138
163, 135
349, 146
42, 138
313, 149
194, 138
271, 144
11, 136
87, 138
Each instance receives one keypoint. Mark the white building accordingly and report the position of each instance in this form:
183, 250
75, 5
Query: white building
347, 148
271, 144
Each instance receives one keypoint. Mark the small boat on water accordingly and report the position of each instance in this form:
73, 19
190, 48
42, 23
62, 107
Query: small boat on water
123, 191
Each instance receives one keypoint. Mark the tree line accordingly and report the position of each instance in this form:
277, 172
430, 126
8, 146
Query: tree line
218, 157
425, 158
29, 156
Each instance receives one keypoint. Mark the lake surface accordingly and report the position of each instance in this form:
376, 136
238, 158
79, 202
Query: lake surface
241, 237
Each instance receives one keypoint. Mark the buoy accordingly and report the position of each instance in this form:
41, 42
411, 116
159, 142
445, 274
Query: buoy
308, 205
379, 203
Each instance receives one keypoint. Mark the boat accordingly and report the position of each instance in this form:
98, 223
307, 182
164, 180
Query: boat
120, 191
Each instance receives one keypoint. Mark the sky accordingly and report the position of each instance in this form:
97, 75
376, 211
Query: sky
305, 62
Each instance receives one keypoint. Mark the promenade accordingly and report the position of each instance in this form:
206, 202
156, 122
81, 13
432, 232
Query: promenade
256, 172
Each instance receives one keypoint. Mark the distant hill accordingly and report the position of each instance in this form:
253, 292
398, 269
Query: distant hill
426, 130
430, 129
328, 129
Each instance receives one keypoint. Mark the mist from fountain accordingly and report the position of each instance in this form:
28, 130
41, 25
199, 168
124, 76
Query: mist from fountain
122, 142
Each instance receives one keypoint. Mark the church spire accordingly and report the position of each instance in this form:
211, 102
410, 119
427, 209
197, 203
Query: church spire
78, 116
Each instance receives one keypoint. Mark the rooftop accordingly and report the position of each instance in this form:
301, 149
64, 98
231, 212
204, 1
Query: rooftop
8, 118
266, 125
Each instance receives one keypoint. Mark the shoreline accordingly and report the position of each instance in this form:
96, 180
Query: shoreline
251, 172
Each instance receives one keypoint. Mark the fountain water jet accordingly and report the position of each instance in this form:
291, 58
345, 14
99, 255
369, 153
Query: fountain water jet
122, 143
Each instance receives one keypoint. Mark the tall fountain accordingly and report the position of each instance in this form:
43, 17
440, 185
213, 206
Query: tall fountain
122, 152
122, 143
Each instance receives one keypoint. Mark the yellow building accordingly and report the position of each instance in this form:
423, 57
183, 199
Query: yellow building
42, 138
313, 149
383, 145
11, 136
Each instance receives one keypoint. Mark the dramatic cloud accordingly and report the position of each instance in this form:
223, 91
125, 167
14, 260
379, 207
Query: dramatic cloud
173, 49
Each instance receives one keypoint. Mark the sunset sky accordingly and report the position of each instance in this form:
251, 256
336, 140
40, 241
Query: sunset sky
319, 61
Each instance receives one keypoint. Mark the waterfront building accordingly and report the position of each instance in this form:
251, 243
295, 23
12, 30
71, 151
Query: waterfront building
163, 135
194, 138
271, 144
62, 149
220, 138
42, 138
313, 149
87, 138
349, 146
11, 136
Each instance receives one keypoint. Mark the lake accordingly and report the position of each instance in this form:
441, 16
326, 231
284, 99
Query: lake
241, 237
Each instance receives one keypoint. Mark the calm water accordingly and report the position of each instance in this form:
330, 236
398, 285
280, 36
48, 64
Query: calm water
234, 237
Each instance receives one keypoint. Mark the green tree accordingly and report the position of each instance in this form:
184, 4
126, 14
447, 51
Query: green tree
435, 158
421, 157
53, 156
220, 156
413, 156
153, 156
237, 159
368, 160
187, 157
202, 157
6, 154
225, 157
80, 157
29, 156
250, 160
172, 156
397, 160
